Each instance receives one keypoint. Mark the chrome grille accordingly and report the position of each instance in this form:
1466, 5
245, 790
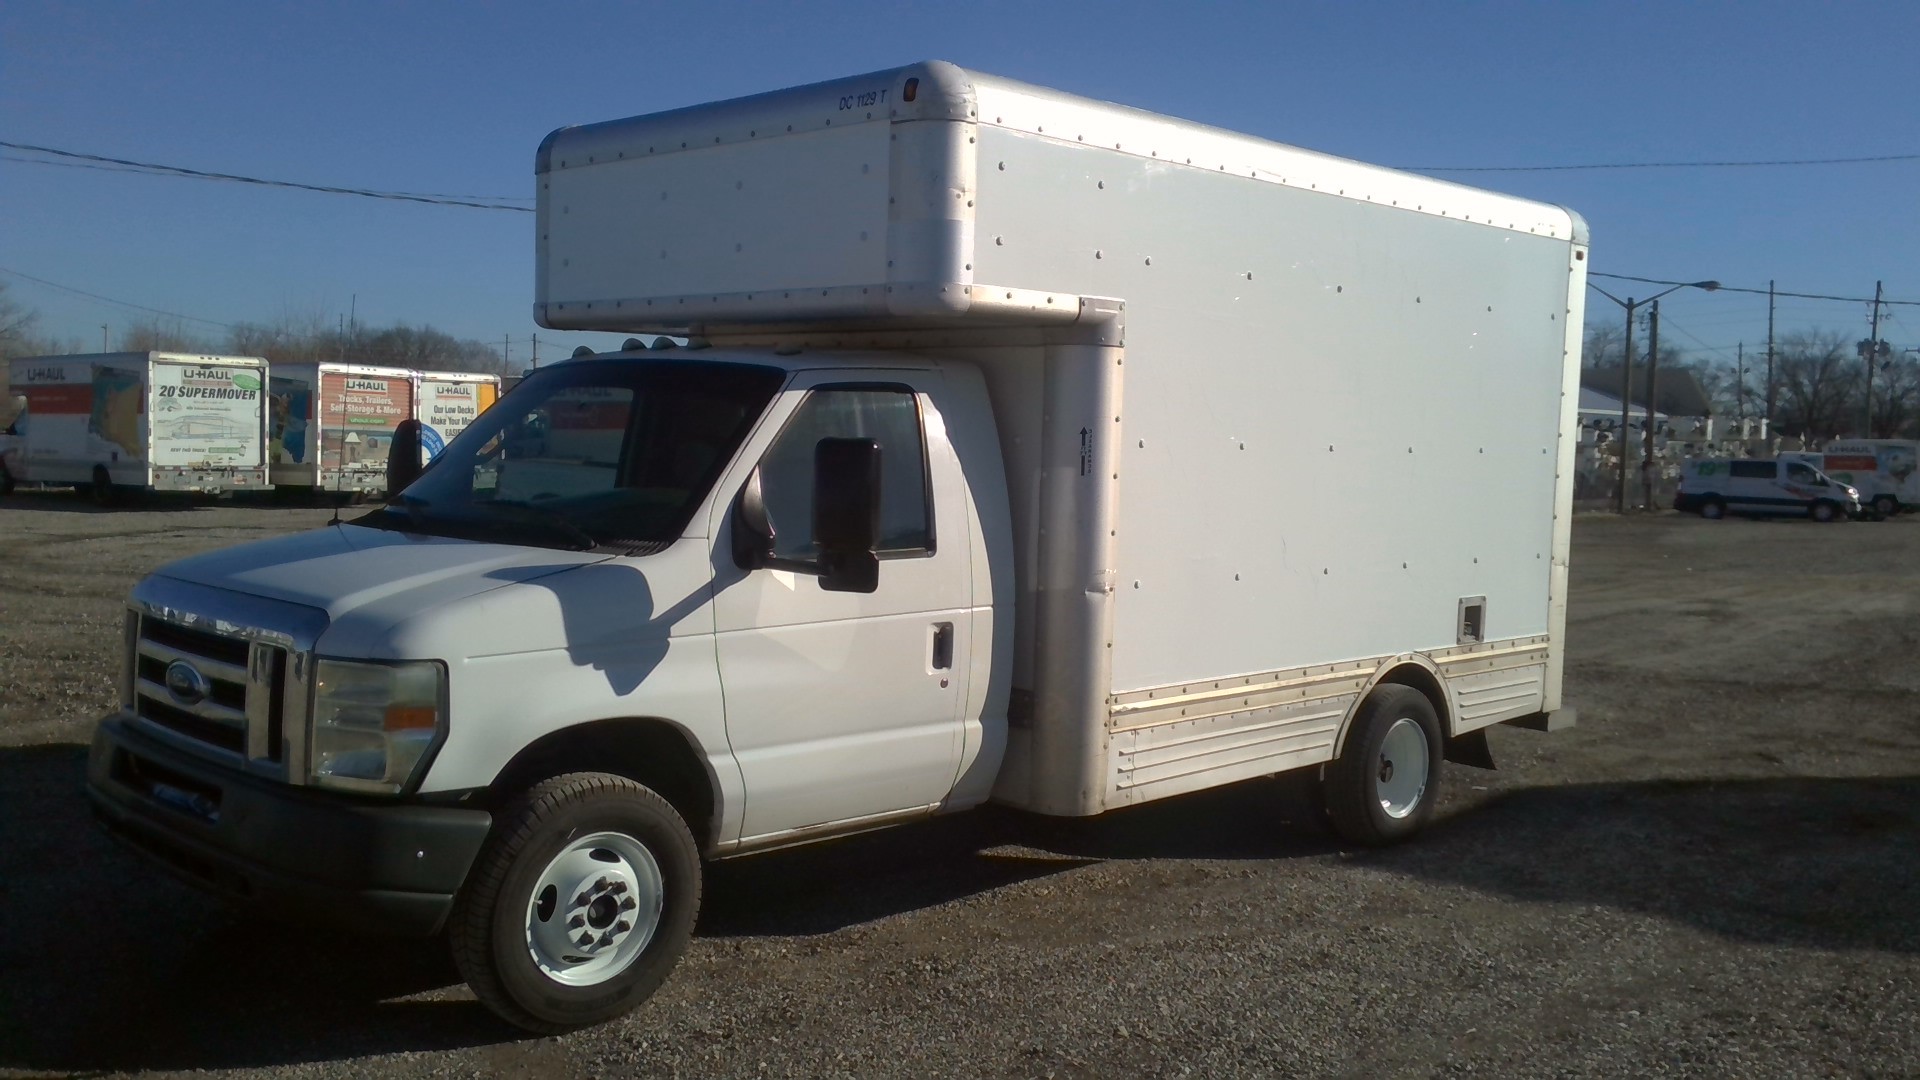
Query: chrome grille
219, 691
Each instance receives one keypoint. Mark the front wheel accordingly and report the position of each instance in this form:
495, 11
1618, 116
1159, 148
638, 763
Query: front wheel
1886, 505
579, 906
1383, 786
1824, 512
6, 480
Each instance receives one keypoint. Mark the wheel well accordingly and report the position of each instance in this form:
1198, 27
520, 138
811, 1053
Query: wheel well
1418, 678
651, 752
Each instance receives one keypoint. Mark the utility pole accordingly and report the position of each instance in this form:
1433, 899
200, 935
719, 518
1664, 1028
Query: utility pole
1626, 409
103, 338
1769, 416
536, 350
1740, 385
506, 352
1653, 375
1871, 350
343, 339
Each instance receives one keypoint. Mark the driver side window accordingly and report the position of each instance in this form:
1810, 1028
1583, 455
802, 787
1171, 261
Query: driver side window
888, 415
1802, 474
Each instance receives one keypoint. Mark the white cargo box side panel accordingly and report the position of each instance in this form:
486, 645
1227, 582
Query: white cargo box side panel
1341, 417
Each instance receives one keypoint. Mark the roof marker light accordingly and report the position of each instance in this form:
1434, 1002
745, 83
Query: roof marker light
911, 90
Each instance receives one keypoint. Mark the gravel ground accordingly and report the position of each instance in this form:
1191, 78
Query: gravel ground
1716, 873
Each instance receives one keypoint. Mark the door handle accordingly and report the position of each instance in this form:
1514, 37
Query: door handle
942, 646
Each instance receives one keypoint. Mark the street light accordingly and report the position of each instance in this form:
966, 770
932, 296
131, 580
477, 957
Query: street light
1626, 381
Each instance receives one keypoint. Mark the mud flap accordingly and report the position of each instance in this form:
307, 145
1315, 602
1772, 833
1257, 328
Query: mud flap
1471, 750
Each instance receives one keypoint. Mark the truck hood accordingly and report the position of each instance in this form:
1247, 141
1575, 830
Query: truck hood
346, 568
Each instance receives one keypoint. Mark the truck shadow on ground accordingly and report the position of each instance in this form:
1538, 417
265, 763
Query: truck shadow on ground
108, 965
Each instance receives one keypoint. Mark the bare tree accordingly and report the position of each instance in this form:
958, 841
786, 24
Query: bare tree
1896, 397
157, 335
1819, 381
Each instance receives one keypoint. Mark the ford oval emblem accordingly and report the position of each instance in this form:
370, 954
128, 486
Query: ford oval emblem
186, 684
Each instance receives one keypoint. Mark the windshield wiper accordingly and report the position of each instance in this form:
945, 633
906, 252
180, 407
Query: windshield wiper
533, 515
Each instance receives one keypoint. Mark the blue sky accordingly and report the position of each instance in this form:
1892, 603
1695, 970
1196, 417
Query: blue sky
454, 98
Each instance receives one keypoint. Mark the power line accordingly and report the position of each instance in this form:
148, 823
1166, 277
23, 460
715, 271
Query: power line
470, 201
111, 300
1662, 164
1759, 292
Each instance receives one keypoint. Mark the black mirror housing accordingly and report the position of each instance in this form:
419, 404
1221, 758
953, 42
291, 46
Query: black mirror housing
846, 513
752, 529
403, 457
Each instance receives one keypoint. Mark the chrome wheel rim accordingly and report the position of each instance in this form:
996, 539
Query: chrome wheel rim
1400, 775
594, 909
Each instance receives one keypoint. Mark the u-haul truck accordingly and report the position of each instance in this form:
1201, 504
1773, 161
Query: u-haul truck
445, 402
113, 423
1023, 448
333, 424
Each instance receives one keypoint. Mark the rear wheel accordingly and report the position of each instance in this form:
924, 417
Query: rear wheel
1383, 787
100, 490
6, 480
1886, 505
579, 906
1713, 509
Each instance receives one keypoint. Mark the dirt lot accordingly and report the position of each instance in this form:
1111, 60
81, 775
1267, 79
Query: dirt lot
1716, 873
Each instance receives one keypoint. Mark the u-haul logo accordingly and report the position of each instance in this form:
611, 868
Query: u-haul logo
378, 386
454, 390
207, 377
44, 375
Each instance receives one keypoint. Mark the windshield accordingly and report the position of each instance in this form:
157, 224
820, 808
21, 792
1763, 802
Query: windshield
614, 454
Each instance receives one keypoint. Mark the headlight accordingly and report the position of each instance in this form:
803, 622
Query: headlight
374, 723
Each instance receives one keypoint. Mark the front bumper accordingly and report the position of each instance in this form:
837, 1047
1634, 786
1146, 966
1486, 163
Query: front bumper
388, 867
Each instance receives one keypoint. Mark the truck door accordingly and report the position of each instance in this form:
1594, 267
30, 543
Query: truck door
846, 705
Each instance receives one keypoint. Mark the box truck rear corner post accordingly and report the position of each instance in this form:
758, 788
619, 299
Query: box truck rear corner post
1021, 448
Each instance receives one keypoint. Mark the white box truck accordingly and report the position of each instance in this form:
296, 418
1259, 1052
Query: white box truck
333, 423
114, 423
1023, 448
1887, 471
445, 402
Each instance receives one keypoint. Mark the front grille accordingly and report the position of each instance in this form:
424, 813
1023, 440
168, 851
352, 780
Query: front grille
220, 691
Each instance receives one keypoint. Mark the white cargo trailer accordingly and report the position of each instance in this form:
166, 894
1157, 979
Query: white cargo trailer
333, 423
1022, 447
132, 421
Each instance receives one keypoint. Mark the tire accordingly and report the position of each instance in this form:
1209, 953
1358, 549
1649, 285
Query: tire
1886, 506
100, 491
1823, 511
596, 837
1713, 509
6, 481
1383, 787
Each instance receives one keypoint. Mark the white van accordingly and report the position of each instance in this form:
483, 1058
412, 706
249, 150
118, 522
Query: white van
1716, 487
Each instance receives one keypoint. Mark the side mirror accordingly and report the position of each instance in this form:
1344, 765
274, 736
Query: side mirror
846, 513
752, 529
403, 457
